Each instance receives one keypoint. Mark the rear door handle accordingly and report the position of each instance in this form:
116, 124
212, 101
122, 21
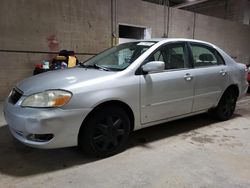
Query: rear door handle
188, 77
223, 72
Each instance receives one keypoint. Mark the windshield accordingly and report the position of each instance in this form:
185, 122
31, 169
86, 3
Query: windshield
119, 57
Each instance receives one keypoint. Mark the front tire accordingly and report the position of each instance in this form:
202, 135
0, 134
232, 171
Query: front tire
226, 106
105, 132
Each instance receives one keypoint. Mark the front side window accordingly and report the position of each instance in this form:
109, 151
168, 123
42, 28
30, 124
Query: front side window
119, 57
173, 55
204, 56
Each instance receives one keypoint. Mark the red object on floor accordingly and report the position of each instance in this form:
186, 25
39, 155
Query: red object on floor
39, 66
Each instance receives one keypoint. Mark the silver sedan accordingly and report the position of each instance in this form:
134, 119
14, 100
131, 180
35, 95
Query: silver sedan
128, 87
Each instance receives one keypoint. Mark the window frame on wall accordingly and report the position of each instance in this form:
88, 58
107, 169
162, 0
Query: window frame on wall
158, 2
129, 32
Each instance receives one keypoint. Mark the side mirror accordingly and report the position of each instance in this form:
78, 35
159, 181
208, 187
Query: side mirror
153, 66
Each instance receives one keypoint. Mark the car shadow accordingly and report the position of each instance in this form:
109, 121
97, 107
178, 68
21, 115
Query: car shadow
147, 135
17, 159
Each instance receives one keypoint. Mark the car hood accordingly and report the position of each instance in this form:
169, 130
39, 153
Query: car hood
59, 79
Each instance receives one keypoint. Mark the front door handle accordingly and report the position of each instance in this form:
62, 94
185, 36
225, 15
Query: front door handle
188, 77
223, 72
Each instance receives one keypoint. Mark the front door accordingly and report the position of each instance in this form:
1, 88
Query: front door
168, 93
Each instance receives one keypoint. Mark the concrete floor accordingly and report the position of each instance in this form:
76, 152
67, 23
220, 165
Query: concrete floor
193, 152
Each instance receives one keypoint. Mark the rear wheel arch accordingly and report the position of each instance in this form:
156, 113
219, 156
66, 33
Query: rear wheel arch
234, 88
226, 105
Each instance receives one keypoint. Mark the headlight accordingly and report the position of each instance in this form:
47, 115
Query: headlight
50, 98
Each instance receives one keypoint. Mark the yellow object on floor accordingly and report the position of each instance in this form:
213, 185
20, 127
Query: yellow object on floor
72, 61
60, 58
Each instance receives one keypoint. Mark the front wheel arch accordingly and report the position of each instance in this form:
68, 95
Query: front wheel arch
116, 103
105, 132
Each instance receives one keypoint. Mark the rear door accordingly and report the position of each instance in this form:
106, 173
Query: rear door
168, 93
210, 75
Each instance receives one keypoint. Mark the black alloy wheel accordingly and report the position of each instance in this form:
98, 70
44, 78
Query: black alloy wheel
106, 132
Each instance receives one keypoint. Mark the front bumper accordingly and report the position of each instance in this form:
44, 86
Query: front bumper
63, 124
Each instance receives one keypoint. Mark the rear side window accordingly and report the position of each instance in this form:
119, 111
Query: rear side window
204, 56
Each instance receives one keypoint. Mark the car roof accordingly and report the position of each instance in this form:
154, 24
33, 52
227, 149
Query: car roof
163, 40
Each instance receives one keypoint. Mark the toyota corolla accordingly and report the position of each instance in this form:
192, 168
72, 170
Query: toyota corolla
125, 88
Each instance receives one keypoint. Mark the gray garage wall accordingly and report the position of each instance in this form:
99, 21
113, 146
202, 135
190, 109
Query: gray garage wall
141, 13
31, 31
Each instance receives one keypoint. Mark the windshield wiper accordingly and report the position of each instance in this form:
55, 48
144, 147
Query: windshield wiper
101, 67
96, 66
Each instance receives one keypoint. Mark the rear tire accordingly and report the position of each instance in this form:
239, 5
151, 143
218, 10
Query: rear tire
106, 132
226, 106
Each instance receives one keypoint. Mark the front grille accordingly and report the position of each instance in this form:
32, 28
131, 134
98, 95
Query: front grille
15, 96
